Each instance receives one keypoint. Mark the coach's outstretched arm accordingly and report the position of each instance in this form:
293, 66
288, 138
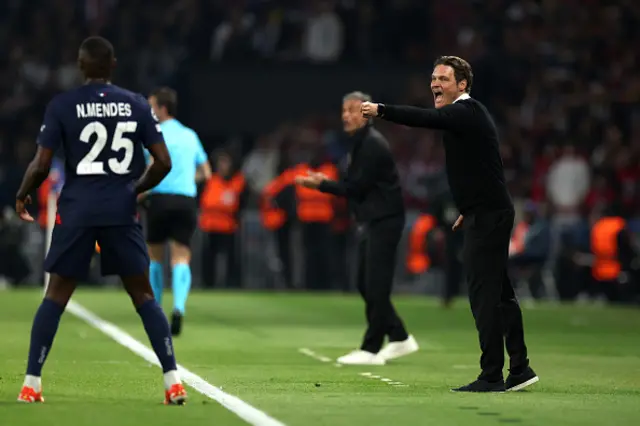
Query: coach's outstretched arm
448, 117
350, 187
160, 167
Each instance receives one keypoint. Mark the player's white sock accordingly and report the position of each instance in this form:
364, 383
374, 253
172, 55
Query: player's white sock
171, 378
33, 382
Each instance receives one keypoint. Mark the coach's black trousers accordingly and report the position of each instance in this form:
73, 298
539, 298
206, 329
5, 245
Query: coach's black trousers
377, 250
316, 240
493, 302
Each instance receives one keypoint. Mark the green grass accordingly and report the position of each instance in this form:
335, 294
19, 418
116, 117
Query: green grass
588, 359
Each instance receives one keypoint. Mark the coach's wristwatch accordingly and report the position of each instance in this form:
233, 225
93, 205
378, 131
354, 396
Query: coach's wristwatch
381, 108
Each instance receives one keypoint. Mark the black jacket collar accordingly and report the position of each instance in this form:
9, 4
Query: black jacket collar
354, 140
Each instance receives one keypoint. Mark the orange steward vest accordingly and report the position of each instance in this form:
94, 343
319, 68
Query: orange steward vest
417, 259
273, 218
518, 238
43, 202
604, 245
219, 204
313, 206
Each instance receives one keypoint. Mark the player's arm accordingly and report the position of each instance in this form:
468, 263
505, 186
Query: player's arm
36, 173
159, 168
153, 141
49, 140
449, 117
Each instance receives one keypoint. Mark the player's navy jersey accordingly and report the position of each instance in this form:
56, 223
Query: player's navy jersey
102, 130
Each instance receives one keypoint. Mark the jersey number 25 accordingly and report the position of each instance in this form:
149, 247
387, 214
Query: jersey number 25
88, 165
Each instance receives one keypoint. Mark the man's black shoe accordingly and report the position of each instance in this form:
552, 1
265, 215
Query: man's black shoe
481, 386
516, 382
176, 323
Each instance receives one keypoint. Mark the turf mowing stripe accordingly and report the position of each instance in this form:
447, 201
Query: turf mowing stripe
246, 412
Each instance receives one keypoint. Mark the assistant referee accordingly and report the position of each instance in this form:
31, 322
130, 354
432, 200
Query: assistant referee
172, 207
476, 177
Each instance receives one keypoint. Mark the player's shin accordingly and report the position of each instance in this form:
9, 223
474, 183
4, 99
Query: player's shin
43, 331
157, 328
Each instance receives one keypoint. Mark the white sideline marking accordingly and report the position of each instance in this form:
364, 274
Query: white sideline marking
312, 354
383, 379
246, 412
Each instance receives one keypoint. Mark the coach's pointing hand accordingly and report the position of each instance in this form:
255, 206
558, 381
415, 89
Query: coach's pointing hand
369, 109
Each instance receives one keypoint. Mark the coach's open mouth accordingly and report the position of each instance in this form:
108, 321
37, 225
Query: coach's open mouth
437, 96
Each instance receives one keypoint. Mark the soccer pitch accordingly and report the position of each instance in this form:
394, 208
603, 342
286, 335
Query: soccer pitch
274, 351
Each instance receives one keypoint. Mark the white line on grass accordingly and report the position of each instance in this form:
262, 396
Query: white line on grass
246, 412
312, 354
383, 379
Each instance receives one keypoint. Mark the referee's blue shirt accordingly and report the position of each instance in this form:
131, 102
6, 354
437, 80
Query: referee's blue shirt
186, 154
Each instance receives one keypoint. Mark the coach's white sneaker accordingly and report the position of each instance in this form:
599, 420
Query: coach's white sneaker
360, 357
395, 350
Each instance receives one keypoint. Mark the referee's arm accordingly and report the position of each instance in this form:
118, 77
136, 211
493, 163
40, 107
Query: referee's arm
449, 117
203, 172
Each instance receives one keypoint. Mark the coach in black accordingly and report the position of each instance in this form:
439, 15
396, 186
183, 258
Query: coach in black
476, 178
372, 187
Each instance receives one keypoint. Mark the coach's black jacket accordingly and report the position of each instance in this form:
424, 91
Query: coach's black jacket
474, 166
372, 184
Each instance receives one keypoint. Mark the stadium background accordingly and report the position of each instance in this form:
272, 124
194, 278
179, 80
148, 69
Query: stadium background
264, 80
555, 73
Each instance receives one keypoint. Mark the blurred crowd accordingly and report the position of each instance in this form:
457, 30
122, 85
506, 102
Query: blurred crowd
560, 77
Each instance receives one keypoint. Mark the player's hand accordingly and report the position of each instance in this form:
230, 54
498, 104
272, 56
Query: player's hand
312, 180
458, 223
21, 209
369, 109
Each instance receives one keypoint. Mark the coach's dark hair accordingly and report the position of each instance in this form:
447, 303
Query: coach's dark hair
461, 69
168, 98
97, 56
357, 96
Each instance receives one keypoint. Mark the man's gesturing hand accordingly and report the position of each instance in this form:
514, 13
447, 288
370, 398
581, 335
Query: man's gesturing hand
21, 209
312, 180
458, 223
369, 109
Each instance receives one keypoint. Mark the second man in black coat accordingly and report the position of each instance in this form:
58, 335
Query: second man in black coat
372, 187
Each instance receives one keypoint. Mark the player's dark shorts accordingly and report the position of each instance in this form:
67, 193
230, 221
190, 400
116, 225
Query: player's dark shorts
123, 251
171, 217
